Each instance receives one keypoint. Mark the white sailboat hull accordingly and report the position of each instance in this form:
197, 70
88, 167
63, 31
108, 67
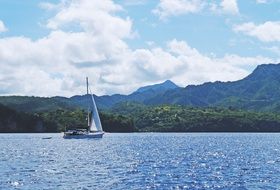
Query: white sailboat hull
87, 135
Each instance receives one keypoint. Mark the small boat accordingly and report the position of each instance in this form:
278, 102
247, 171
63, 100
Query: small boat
94, 129
46, 137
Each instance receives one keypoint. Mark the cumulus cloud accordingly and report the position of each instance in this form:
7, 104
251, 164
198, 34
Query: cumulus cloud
230, 6
225, 7
200, 68
58, 56
2, 27
266, 32
167, 8
58, 63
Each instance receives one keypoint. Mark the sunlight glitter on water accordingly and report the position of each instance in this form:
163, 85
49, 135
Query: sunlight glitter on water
141, 161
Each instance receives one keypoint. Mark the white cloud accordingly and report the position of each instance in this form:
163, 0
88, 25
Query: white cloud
48, 6
230, 6
64, 57
225, 7
200, 68
93, 16
2, 27
261, 1
58, 63
167, 8
266, 32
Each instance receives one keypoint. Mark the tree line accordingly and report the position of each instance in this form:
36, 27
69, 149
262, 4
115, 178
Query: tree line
135, 117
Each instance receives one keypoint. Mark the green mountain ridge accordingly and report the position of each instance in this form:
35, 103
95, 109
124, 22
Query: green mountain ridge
259, 91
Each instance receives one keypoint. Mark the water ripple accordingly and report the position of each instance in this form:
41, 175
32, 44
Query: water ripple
141, 161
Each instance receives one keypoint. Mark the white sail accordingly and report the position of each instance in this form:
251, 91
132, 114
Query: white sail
95, 120
94, 125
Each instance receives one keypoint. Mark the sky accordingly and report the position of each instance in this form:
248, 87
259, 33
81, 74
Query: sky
48, 47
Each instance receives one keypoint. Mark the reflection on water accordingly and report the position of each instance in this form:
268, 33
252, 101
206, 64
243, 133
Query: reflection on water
140, 161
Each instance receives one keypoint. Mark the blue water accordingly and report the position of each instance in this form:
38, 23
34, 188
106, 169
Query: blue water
141, 161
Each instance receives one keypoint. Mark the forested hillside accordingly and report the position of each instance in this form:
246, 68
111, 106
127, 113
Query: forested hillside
172, 118
58, 121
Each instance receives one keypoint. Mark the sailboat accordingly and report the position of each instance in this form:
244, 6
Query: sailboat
94, 129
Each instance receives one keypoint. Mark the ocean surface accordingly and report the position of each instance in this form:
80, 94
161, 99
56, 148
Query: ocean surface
141, 161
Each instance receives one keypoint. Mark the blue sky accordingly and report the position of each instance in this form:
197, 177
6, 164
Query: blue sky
124, 44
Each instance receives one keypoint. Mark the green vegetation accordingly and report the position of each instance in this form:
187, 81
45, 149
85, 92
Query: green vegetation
58, 120
65, 119
73, 119
187, 119
259, 91
131, 117
31, 104
117, 123
12, 121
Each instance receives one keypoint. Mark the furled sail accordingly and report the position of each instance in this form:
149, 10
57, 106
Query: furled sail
95, 120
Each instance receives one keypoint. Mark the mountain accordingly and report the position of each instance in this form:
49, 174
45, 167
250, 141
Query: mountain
40, 104
259, 91
219, 106
148, 92
140, 95
162, 87
36, 104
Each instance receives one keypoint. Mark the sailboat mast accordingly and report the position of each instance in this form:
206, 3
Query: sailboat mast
88, 117
87, 84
